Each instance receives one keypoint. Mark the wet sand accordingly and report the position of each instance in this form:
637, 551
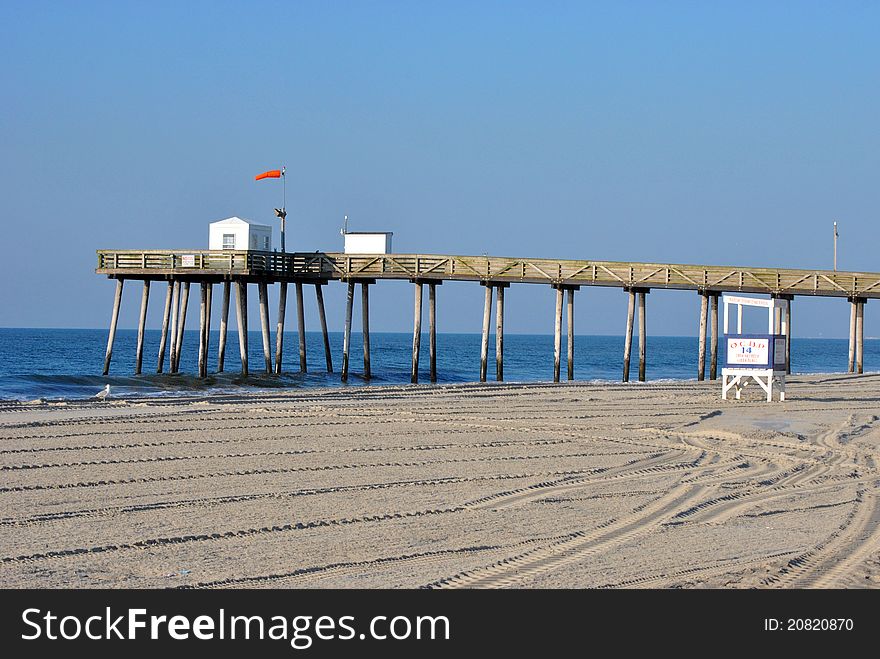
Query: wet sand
575, 485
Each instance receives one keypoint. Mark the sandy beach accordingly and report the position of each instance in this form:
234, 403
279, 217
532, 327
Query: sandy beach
526, 486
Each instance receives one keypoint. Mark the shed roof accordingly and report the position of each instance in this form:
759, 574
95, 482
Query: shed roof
238, 220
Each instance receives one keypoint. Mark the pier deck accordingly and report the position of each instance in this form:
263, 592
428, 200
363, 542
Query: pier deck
181, 268
199, 265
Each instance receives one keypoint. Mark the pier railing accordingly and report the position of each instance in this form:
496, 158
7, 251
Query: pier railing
272, 266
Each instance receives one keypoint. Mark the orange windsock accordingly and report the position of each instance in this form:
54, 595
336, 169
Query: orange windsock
272, 173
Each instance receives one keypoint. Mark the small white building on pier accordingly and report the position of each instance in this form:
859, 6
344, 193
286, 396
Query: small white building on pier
367, 242
236, 233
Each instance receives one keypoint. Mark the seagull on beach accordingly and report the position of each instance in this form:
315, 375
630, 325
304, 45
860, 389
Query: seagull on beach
104, 393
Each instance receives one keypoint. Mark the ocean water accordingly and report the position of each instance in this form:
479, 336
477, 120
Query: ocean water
67, 363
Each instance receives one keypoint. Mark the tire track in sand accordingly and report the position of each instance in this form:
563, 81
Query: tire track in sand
511, 570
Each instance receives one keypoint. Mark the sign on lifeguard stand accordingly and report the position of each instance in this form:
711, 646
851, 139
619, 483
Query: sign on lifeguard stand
757, 357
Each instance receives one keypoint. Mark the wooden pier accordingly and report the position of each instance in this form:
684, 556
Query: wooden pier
181, 268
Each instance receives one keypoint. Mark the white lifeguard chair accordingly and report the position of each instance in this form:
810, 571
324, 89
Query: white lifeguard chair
757, 357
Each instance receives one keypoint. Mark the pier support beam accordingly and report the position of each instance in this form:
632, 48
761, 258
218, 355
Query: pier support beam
301, 328
701, 354
203, 324
208, 309
279, 328
782, 324
262, 290
484, 343
319, 295
417, 331
365, 326
570, 331
860, 334
499, 332
643, 337
432, 327
713, 358
114, 318
557, 333
175, 317
853, 311
163, 339
142, 323
181, 323
224, 327
346, 334
241, 315
627, 342
627, 337
788, 335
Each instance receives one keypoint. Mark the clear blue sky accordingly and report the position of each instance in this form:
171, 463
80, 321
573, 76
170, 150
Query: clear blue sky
659, 131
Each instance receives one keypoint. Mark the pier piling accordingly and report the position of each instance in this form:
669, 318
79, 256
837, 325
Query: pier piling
628, 336
484, 344
241, 315
788, 335
208, 309
365, 326
163, 338
713, 358
117, 301
557, 333
860, 334
142, 323
432, 328
346, 334
643, 338
181, 323
319, 296
203, 315
499, 332
853, 311
301, 329
175, 318
262, 290
782, 325
701, 355
224, 327
417, 331
570, 332
279, 328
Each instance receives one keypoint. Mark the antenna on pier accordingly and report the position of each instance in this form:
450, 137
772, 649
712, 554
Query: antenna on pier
344, 226
835, 246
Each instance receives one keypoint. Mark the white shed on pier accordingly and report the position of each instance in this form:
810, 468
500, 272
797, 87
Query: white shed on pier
236, 233
367, 242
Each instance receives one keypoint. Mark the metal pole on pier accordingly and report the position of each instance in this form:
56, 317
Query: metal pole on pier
835, 246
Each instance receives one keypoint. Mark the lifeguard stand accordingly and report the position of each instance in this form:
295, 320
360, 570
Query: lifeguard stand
757, 357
